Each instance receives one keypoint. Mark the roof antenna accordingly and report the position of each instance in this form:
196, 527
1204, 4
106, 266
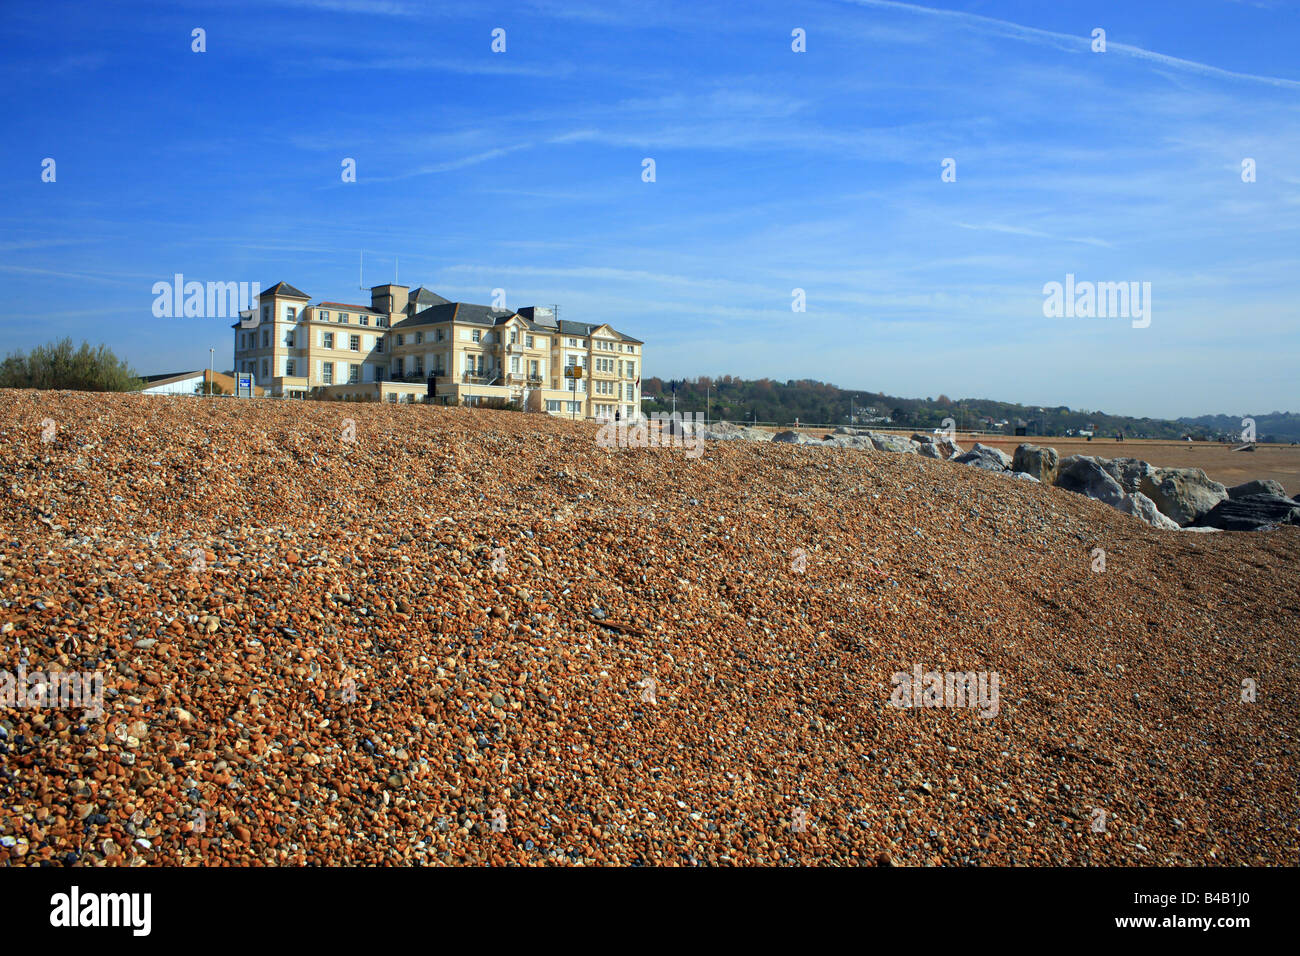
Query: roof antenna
361, 273
394, 270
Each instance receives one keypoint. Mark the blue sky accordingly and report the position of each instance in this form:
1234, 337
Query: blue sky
775, 170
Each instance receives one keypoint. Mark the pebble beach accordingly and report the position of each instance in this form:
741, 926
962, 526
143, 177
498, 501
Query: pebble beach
398, 635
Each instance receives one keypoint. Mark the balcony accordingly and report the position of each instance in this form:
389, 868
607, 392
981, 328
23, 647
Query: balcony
484, 376
523, 378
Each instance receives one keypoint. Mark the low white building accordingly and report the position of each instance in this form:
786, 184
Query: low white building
188, 383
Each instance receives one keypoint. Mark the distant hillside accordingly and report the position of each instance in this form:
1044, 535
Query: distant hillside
736, 399
1275, 426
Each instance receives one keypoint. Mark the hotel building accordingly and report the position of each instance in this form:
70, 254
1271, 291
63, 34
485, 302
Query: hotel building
415, 346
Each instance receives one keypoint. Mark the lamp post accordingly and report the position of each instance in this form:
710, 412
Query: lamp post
211, 354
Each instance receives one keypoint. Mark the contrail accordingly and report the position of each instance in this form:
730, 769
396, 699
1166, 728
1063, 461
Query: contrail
1020, 32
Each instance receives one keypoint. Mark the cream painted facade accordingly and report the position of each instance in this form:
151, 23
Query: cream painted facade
387, 351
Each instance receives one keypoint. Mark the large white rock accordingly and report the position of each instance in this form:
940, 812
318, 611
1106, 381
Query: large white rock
1183, 494
982, 456
1140, 506
894, 443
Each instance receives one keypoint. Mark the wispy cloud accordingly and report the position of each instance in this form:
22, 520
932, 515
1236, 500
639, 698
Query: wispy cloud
378, 8
1032, 233
436, 63
1006, 28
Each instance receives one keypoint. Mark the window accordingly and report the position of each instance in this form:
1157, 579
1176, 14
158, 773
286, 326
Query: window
379, 343
401, 340
514, 337
382, 321
266, 369
324, 316
532, 370
266, 338
419, 338
288, 367
343, 317
365, 319
291, 312
514, 363
354, 374
476, 336
288, 339
419, 365
399, 367
631, 369
354, 343
529, 341
327, 373
379, 373
327, 340
440, 335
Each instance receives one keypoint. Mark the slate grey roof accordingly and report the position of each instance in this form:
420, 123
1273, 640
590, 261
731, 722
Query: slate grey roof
585, 329
542, 317
349, 306
423, 298
466, 312
286, 290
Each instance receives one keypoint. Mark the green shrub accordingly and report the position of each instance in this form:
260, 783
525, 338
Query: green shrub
58, 366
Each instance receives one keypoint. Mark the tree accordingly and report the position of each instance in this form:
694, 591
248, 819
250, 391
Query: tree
209, 388
58, 366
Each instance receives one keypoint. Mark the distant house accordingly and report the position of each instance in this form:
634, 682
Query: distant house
189, 383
